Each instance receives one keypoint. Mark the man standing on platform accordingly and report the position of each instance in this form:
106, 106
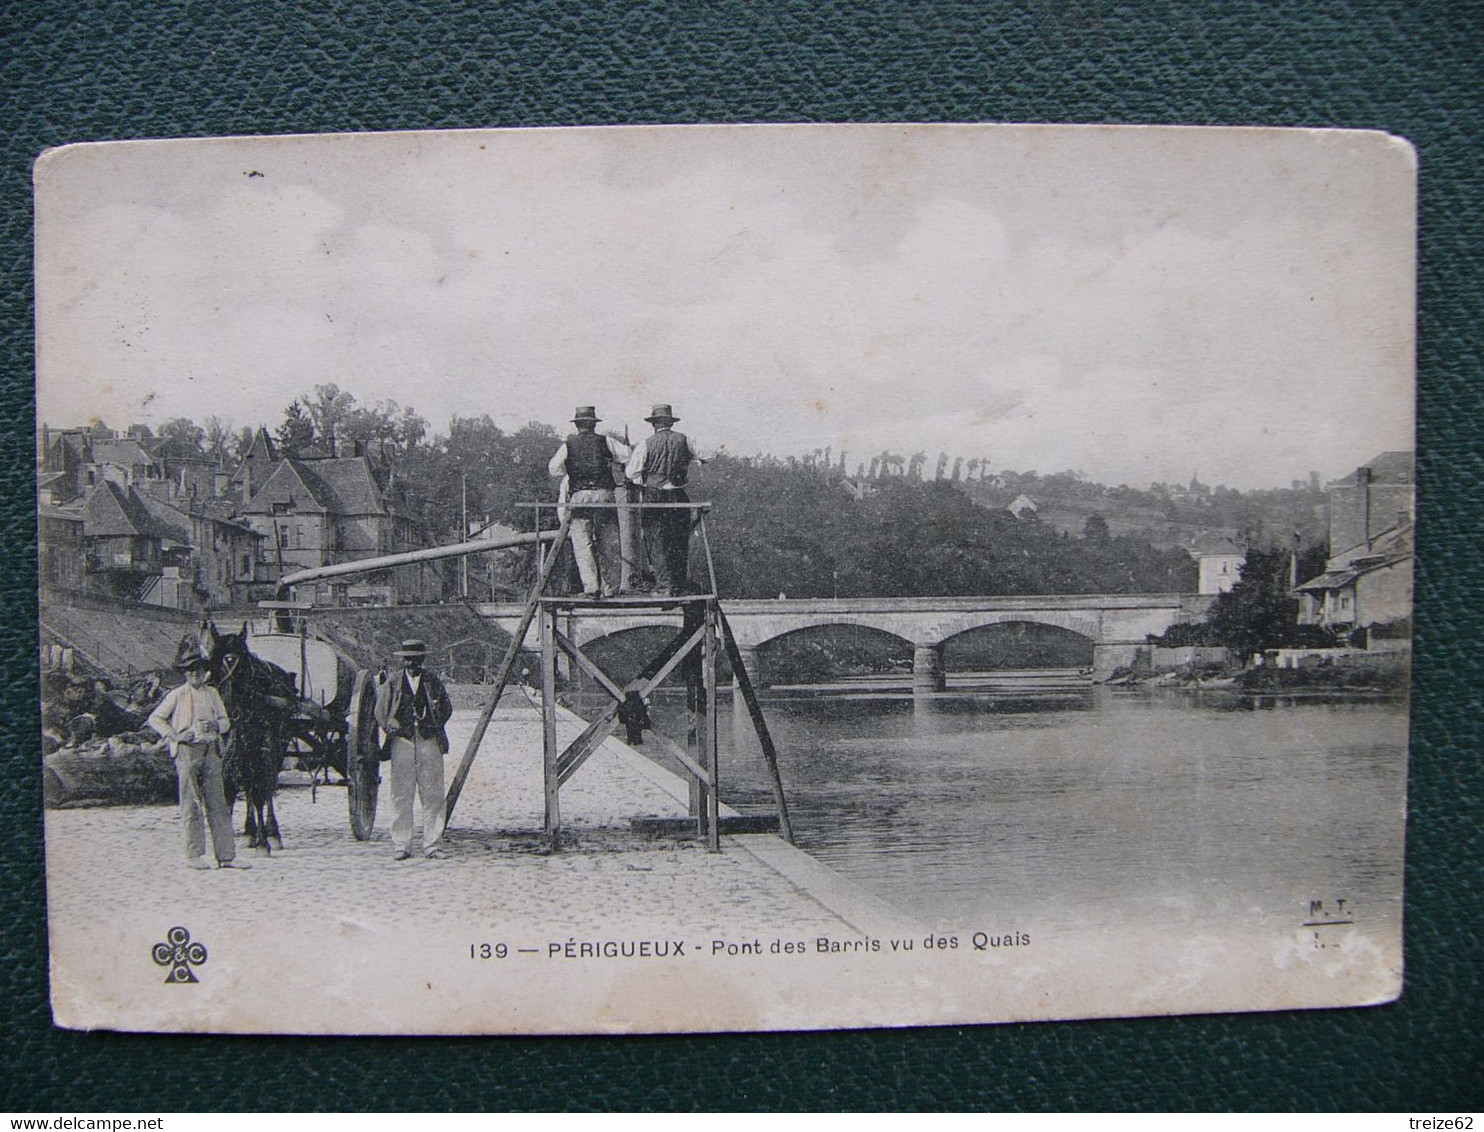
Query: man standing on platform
412, 708
661, 465
586, 460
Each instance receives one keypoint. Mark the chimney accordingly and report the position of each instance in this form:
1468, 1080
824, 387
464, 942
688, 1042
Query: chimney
1363, 482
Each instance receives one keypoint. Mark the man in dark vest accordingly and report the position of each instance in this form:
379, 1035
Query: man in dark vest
585, 460
661, 465
412, 707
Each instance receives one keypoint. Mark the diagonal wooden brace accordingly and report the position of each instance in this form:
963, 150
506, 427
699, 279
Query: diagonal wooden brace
680, 755
568, 646
592, 737
502, 677
760, 725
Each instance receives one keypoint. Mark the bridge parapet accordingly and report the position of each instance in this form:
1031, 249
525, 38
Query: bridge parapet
1115, 623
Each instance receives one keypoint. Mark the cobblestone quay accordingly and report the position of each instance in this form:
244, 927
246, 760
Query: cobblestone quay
327, 906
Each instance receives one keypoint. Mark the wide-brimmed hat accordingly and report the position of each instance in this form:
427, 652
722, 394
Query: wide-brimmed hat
661, 413
412, 647
585, 413
189, 656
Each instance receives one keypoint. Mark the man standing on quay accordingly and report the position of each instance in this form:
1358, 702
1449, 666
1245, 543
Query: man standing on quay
661, 465
192, 718
586, 459
412, 708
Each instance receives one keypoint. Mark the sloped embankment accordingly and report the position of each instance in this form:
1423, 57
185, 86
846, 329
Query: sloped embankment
461, 645
120, 640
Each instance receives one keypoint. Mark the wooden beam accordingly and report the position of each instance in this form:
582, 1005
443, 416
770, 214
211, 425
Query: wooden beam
550, 779
568, 646
760, 725
710, 752
592, 737
582, 748
502, 677
677, 752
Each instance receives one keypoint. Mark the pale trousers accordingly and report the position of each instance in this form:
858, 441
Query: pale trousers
198, 771
586, 531
417, 768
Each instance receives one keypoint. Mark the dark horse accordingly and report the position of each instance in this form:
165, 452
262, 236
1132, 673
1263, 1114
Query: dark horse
259, 698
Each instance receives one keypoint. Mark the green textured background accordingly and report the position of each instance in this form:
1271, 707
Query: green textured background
85, 70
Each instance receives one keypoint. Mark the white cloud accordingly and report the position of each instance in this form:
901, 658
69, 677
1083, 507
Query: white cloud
1047, 299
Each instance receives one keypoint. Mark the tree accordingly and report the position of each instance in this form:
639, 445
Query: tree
1258, 612
183, 431
1096, 531
242, 441
411, 429
297, 430
218, 441
329, 408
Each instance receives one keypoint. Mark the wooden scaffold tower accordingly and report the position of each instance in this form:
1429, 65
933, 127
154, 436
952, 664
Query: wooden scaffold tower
702, 636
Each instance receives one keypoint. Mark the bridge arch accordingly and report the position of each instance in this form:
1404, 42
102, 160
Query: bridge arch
1117, 624
624, 651
823, 651
1024, 642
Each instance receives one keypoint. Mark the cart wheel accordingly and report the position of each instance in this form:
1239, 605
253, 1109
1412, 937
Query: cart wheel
362, 759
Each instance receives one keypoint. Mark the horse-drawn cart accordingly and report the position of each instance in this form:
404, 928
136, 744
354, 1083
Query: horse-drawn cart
330, 723
293, 694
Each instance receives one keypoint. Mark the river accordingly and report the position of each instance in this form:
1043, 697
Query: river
1059, 804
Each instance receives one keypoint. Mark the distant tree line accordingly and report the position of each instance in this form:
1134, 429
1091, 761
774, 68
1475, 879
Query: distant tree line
803, 526
793, 530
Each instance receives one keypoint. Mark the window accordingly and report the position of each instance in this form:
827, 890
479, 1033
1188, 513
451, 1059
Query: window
283, 537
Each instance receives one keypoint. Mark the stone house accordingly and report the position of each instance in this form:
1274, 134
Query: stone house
1367, 580
319, 511
1220, 559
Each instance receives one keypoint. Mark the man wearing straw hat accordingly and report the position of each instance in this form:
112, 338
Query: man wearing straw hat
661, 465
585, 460
412, 708
192, 719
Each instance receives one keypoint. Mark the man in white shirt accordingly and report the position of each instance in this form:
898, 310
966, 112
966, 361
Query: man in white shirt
412, 708
192, 718
586, 459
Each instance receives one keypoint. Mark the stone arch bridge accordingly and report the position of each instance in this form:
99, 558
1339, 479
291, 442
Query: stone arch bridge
1116, 624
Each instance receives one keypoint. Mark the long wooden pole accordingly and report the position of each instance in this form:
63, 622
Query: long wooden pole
709, 748
755, 709
408, 557
550, 783
502, 675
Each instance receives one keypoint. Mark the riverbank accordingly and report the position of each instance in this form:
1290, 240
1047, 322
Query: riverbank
1387, 674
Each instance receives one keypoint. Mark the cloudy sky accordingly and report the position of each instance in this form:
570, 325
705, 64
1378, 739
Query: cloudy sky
1138, 304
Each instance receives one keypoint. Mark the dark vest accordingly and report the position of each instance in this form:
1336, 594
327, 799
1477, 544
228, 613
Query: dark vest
666, 457
589, 461
414, 712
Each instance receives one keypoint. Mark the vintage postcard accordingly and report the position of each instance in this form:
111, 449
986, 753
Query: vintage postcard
723, 578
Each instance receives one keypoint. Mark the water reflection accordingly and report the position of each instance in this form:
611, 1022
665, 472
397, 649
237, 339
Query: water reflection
1080, 805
